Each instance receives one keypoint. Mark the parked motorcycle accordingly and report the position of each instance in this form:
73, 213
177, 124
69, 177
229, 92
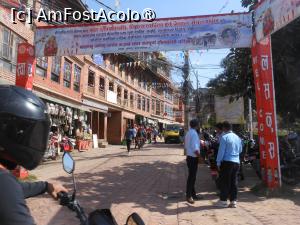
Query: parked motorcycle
98, 216
66, 145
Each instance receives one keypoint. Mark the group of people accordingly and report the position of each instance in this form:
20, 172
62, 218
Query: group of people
228, 162
136, 133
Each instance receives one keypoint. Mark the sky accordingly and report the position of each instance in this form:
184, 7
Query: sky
209, 61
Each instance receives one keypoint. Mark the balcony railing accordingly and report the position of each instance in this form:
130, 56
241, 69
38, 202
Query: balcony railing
91, 89
102, 93
131, 104
119, 101
125, 103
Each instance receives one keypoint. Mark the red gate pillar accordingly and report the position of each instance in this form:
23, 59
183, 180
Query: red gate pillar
24, 78
266, 112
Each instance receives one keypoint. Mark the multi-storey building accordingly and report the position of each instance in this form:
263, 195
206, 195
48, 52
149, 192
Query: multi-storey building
106, 96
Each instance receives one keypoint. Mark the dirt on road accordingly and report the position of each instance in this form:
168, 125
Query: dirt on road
152, 182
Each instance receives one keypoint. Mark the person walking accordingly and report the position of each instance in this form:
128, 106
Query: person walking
129, 135
228, 162
192, 148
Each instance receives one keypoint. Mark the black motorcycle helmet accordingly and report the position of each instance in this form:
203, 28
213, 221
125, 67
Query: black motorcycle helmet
24, 127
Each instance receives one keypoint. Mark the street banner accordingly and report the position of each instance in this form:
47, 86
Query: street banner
259, 107
265, 92
184, 33
25, 66
271, 15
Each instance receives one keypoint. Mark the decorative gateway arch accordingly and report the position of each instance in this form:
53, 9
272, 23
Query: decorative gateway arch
236, 30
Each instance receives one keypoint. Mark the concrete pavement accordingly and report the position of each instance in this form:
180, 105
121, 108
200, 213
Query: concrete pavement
151, 182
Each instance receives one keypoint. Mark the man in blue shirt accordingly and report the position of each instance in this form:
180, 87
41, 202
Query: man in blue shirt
192, 148
228, 162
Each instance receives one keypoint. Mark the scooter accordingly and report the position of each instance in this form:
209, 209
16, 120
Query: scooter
98, 216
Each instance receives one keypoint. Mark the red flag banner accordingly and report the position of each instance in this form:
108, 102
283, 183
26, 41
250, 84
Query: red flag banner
266, 110
25, 66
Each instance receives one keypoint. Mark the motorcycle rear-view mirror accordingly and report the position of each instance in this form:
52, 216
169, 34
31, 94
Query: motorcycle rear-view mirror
68, 163
134, 219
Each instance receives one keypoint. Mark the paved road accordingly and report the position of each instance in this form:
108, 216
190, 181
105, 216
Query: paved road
152, 182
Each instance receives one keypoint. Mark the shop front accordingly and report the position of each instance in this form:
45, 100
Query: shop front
98, 118
67, 119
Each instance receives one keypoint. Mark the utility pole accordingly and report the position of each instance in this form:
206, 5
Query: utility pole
186, 96
250, 118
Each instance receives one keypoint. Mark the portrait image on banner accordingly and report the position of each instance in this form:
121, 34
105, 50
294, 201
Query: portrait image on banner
182, 33
271, 15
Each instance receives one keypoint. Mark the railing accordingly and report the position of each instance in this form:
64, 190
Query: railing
119, 101
102, 93
131, 104
91, 89
125, 102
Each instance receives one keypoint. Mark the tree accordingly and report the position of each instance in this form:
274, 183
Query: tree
237, 78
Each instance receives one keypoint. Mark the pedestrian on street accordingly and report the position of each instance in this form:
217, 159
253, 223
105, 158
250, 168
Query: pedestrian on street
228, 162
192, 148
129, 135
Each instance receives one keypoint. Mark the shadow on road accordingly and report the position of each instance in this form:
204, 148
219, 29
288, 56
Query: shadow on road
155, 186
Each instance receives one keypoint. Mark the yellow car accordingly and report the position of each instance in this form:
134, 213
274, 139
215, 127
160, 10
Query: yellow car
171, 133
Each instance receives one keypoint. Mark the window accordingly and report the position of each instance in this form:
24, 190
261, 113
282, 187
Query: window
131, 100
153, 105
119, 92
6, 36
111, 86
77, 75
139, 102
125, 94
140, 80
148, 105
67, 73
42, 65
55, 69
131, 78
102, 86
157, 107
91, 79
112, 65
144, 104
8, 49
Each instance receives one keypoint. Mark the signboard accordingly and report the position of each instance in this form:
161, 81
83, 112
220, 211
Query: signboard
267, 122
95, 141
184, 33
95, 105
111, 96
231, 112
271, 15
25, 66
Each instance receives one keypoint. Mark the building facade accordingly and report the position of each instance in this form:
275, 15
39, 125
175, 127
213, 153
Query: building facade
104, 92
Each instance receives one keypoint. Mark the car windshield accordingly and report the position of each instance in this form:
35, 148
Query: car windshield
172, 127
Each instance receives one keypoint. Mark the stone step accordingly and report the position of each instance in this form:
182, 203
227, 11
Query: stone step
102, 143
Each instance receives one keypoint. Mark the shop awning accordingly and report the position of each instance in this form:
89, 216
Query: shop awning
165, 121
95, 105
62, 102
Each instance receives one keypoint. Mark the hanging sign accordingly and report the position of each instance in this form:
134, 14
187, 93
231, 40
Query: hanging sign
25, 66
271, 15
267, 122
184, 33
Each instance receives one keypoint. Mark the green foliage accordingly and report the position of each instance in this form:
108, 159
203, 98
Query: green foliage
237, 78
